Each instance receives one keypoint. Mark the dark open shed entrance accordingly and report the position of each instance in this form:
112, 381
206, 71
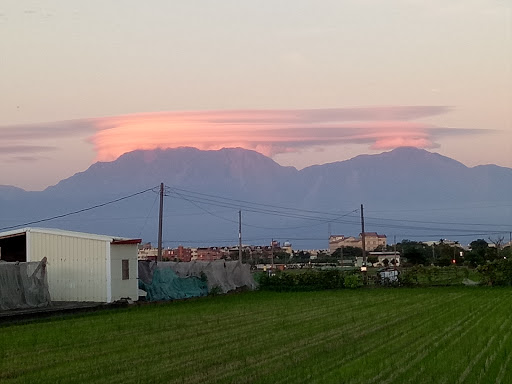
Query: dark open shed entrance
14, 247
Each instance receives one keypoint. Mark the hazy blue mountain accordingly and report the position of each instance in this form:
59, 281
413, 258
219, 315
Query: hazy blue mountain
407, 192
10, 192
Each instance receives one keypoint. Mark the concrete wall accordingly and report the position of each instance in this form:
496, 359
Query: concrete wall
77, 266
124, 288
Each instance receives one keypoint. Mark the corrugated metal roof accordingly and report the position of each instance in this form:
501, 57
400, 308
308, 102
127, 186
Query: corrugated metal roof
62, 232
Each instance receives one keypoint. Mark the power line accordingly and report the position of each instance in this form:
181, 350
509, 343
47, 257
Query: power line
76, 212
438, 222
197, 201
227, 204
203, 209
451, 208
250, 202
147, 217
201, 198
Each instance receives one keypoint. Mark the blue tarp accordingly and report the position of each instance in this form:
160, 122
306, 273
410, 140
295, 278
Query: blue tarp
166, 285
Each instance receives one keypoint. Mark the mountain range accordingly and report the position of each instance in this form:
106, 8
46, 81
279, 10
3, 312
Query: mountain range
408, 193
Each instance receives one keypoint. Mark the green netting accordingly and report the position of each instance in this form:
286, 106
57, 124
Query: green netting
166, 285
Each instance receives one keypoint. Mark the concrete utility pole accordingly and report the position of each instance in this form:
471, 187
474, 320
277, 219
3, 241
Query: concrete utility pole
272, 253
160, 221
394, 250
240, 236
363, 238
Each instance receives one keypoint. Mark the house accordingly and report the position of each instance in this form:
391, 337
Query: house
372, 240
393, 258
147, 252
208, 254
180, 253
80, 266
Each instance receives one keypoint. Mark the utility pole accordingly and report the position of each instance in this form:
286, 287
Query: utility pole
272, 253
160, 221
363, 238
394, 250
240, 236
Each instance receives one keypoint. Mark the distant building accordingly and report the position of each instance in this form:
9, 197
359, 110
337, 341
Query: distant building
209, 254
287, 247
372, 240
178, 254
393, 258
147, 252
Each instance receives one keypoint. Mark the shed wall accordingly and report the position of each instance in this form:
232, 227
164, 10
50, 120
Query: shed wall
76, 266
124, 288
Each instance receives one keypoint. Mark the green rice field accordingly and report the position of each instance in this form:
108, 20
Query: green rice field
420, 335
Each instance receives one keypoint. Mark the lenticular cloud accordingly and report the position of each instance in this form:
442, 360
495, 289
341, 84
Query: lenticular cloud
267, 131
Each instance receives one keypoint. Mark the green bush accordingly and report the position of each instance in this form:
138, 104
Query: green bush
420, 275
353, 281
310, 280
498, 272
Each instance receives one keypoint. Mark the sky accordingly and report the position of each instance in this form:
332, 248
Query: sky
303, 81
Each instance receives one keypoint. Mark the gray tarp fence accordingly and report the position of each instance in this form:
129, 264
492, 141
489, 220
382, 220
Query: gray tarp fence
23, 285
223, 275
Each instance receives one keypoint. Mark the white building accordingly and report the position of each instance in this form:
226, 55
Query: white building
393, 259
81, 266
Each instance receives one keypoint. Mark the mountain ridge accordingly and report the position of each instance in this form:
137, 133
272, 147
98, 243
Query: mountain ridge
207, 188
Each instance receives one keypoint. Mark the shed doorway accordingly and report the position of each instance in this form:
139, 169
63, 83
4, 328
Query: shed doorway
14, 247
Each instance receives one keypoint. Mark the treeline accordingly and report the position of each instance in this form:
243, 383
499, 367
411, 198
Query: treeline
495, 273
444, 254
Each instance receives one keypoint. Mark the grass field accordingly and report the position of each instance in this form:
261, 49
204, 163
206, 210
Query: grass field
422, 335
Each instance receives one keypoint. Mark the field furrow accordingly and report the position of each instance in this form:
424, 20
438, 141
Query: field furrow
427, 335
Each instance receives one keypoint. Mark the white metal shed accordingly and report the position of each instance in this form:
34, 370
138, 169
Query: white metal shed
81, 266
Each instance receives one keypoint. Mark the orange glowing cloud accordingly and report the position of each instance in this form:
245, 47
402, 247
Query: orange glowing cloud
269, 132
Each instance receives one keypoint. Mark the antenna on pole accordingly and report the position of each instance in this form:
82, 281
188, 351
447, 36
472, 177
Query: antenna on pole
160, 221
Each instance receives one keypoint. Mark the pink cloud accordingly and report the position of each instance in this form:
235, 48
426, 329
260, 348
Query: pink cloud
269, 132
395, 142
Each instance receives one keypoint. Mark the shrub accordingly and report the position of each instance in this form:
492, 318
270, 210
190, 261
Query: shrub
498, 272
353, 281
310, 280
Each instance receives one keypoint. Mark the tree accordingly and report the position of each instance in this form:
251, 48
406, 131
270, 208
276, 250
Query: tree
414, 252
498, 243
415, 255
348, 253
303, 257
446, 254
373, 259
477, 255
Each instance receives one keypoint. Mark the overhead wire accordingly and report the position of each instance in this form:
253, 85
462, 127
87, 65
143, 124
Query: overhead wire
147, 217
251, 202
256, 209
76, 212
